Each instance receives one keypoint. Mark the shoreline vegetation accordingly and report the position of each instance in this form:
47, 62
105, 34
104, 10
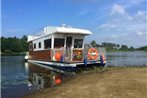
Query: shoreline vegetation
13, 46
14, 54
113, 47
108, 82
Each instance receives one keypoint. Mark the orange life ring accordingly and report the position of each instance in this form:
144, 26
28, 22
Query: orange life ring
92, 53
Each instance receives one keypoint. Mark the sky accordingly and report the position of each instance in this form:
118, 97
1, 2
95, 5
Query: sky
116, 21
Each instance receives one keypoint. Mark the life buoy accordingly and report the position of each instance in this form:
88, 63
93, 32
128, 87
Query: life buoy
92, 53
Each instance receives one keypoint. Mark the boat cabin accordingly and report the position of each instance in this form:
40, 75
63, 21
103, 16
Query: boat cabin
62, 45
65, 41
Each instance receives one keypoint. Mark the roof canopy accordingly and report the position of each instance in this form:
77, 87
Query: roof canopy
62, 30
72, 31
65, 29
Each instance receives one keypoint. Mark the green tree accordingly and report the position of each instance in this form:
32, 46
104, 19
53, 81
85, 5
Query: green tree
124, 47
14, 44
144, 48
24, 44
4, 44
131, 48
93, 43
118, 46
104, 44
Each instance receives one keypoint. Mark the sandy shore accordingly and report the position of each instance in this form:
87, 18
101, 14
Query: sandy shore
127, 82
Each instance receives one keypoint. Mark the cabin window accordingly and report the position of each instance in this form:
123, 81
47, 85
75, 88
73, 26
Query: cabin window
30, 47
39, 44
78, 43
58, 42
47, 43
34, 46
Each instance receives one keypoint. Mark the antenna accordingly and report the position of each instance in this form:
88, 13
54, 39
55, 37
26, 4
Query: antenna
64, 25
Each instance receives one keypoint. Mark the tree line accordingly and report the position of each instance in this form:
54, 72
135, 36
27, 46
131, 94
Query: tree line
116, 47
17, 45
14, 44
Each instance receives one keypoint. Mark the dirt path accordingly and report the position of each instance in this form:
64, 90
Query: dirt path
113, 83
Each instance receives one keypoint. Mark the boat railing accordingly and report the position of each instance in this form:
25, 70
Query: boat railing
75, 55
57, 52
39, 33
67, 55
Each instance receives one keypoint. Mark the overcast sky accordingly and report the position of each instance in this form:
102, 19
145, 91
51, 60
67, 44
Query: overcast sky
118, 21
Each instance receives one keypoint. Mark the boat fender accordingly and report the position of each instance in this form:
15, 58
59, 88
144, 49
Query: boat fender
101, 60
85, 61
62, 58
58, 56
58, 81
103, 57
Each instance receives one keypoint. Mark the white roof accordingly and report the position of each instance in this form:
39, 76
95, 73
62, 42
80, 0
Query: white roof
69, 30
72, 30
62, 30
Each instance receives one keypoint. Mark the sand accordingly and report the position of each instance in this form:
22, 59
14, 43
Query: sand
124, 82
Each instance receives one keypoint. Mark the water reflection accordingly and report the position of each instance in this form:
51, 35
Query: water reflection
39, 77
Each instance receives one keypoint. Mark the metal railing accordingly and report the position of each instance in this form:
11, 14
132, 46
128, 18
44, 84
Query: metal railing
71, 55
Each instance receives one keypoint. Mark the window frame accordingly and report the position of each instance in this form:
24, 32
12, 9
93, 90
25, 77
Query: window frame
77, 46
48, 45
57, 44
30, 47
34, 46
39, 45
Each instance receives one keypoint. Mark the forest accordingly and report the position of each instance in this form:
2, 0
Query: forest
116, 47
11, 45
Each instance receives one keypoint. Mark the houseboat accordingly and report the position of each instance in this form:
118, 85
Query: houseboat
63, 47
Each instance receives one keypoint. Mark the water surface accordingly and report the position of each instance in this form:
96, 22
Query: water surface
135, 58
16, 74
13, 77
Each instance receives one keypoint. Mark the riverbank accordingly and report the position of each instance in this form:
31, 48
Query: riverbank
14, 54
115, 82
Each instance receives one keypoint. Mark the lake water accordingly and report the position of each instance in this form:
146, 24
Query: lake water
17, 74
135, 58
13, 77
